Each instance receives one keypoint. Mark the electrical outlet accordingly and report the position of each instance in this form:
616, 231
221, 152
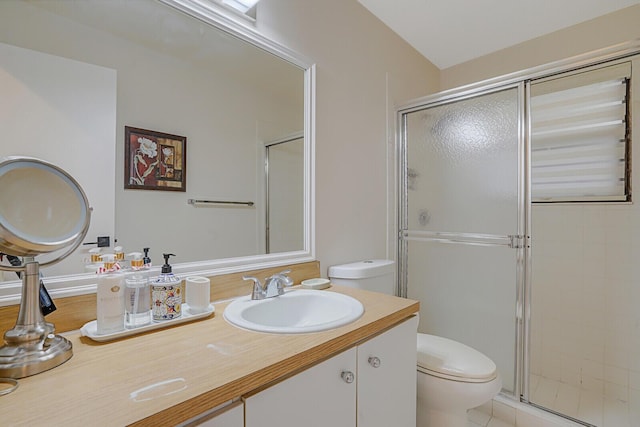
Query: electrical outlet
104, 241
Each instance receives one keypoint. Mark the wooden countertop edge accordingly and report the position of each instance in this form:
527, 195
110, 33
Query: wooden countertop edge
280, 370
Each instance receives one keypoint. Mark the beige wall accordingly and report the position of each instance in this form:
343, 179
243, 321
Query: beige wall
357, 59
598, 33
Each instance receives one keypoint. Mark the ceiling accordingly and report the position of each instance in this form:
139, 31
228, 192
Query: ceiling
449, 32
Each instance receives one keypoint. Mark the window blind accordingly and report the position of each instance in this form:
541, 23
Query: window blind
579, 137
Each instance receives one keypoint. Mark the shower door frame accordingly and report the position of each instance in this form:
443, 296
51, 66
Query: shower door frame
522, 79
519, 241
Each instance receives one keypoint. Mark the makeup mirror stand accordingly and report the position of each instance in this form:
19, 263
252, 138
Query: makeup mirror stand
31, 346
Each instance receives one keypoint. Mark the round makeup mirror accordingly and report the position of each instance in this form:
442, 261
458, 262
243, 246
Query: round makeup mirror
43, 210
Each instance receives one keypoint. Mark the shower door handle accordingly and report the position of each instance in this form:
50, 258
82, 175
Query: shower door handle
514, 241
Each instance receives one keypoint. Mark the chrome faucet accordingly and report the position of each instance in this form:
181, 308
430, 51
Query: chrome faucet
273, 285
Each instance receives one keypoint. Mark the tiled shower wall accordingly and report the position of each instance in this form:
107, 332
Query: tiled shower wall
585, 328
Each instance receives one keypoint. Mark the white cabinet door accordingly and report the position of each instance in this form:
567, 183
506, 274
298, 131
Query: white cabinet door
387, 378
317, 397
230, 416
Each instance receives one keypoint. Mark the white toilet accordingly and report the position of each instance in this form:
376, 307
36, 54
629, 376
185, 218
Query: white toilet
452, 377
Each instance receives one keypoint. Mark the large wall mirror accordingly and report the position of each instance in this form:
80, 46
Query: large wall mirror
74, 75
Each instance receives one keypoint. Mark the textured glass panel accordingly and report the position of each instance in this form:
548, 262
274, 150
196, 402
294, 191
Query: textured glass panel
468, 293
462, 160
463, 165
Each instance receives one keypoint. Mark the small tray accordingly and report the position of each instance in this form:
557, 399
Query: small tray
317, 283
90, 329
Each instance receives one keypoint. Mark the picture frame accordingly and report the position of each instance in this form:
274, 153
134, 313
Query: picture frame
154, 160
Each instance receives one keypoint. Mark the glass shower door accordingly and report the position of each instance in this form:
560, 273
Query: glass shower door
284, 176
462, 221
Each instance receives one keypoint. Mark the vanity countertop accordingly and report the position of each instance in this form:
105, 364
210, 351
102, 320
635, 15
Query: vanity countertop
167, 376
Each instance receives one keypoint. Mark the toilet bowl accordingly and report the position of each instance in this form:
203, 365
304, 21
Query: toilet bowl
452, 377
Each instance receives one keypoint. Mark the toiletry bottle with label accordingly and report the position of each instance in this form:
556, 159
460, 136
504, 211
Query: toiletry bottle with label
119, 253
94, 262
137, 294
166, 294
110, 297
146, 260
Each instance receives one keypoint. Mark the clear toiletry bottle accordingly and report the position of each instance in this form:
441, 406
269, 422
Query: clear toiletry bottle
110, 297
166, 294
137, 294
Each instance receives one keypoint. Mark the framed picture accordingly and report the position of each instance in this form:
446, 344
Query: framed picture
154, 160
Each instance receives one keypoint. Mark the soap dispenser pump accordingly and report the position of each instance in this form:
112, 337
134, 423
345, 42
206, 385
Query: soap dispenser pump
146, 261
166, 294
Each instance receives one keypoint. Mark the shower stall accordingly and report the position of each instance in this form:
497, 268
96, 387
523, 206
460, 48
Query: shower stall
517, 231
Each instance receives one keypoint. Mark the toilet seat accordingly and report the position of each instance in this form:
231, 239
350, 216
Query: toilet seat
448, 359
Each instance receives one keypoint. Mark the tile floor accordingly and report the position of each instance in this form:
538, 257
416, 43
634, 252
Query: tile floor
581, 404
479, 418
503, 412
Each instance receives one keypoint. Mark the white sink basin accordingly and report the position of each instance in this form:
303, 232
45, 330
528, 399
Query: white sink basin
297, 311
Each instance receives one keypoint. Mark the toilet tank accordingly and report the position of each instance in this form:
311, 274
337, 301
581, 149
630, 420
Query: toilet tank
376, 275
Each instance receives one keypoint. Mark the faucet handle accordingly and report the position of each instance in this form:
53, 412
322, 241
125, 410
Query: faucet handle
258, 289
287, 281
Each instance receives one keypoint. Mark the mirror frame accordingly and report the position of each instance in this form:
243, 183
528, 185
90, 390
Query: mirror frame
224, 20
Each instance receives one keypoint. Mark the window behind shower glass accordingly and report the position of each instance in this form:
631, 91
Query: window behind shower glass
580, 137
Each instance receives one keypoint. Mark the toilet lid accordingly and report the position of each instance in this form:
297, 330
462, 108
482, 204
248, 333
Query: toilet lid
453, 360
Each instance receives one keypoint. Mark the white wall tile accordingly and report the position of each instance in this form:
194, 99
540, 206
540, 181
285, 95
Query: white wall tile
634, 380
592, 384
593, 369
591, 407
616, 414
616, 392
567, 400
616, 375
586, 294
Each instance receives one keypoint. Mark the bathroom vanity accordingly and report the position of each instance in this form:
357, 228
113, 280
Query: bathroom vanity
180, 374
368, 385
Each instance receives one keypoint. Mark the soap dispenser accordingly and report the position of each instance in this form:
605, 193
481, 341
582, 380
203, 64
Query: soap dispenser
110, 297
119, 252
166, 294
146, 260
137, 294
94, 262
